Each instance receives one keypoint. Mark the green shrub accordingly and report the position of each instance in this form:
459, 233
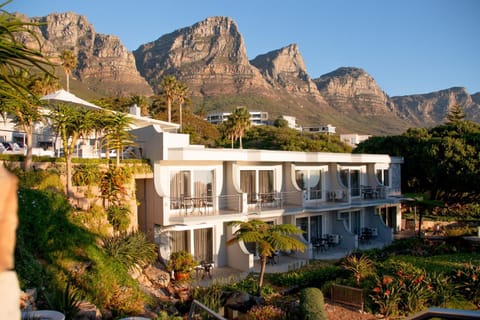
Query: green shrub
312, 305
133, 250
210, 296
86, 175
67, 301
119, 217
311, 276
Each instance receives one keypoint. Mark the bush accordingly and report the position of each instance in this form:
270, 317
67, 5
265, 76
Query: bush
312, 305
266, 312
133, 249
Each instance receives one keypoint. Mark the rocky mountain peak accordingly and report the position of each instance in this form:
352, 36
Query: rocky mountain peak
211, 54
350, 88
285, 68
101, 58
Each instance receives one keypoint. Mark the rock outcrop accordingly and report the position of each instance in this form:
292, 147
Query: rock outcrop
210, 56
284, 68
104, 63
432, 108
352, 89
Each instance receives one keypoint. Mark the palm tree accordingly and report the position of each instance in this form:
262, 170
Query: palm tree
71, 123
141, 102
69, 63
117, 135
169, 86
16, 57
269, 238
181, 96
239, 122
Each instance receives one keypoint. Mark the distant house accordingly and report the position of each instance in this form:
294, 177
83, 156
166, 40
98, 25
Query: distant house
353, 139
292, 122
256, 117
328, 129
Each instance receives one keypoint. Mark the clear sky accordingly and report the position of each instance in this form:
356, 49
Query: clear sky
407, 46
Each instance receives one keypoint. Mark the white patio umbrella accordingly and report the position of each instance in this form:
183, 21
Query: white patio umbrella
67, 97
62, 96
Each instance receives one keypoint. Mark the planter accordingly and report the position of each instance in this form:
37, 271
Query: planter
182, 276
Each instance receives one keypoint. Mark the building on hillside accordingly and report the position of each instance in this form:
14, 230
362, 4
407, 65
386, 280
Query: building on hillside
292, 122
194, 192
256, 117
328, 129
353, 139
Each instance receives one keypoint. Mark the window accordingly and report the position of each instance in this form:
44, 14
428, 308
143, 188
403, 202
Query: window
203, 244
310, 180
188, 184
248, 183
383, 176
350, 178
179, 240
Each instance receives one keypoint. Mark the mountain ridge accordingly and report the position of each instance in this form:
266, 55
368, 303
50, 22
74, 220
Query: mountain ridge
211, 58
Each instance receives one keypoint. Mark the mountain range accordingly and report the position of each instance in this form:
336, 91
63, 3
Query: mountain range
211, 58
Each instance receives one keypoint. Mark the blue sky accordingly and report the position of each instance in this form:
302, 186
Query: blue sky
407, 46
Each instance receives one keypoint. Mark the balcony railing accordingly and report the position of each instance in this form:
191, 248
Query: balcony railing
258, 202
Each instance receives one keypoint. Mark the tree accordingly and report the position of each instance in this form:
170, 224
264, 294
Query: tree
237, 123
269, 238
455, 114
69, 63
181, 96
117, 135
141, 102
71, 123
169, 86
16, 57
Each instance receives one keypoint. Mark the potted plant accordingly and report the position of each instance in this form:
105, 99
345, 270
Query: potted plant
181, 263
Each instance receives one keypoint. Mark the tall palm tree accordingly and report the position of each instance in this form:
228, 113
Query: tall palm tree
169, 86
71, 123
181, 96
239, 121
117, 134
69, 63
269, 238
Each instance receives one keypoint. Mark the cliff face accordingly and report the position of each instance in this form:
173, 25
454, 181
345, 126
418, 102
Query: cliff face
352, 89
210, 56
284, 68
432, 108
103, 61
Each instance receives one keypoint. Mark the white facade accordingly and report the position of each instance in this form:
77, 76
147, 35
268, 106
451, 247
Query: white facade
353, 139
329, 129
195, 191
256, 117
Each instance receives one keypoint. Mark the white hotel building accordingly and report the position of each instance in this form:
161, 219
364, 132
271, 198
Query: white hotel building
195, 191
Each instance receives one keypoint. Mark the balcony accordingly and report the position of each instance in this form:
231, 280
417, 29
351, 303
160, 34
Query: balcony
182, 208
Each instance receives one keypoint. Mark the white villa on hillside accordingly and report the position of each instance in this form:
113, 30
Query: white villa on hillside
195, 191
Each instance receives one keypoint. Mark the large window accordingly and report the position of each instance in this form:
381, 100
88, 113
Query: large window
254, 190
310, 180
351, 179
187, 184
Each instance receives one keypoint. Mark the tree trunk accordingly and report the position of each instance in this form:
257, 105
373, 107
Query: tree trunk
29, 146
263, 266
169, 107
68, 173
